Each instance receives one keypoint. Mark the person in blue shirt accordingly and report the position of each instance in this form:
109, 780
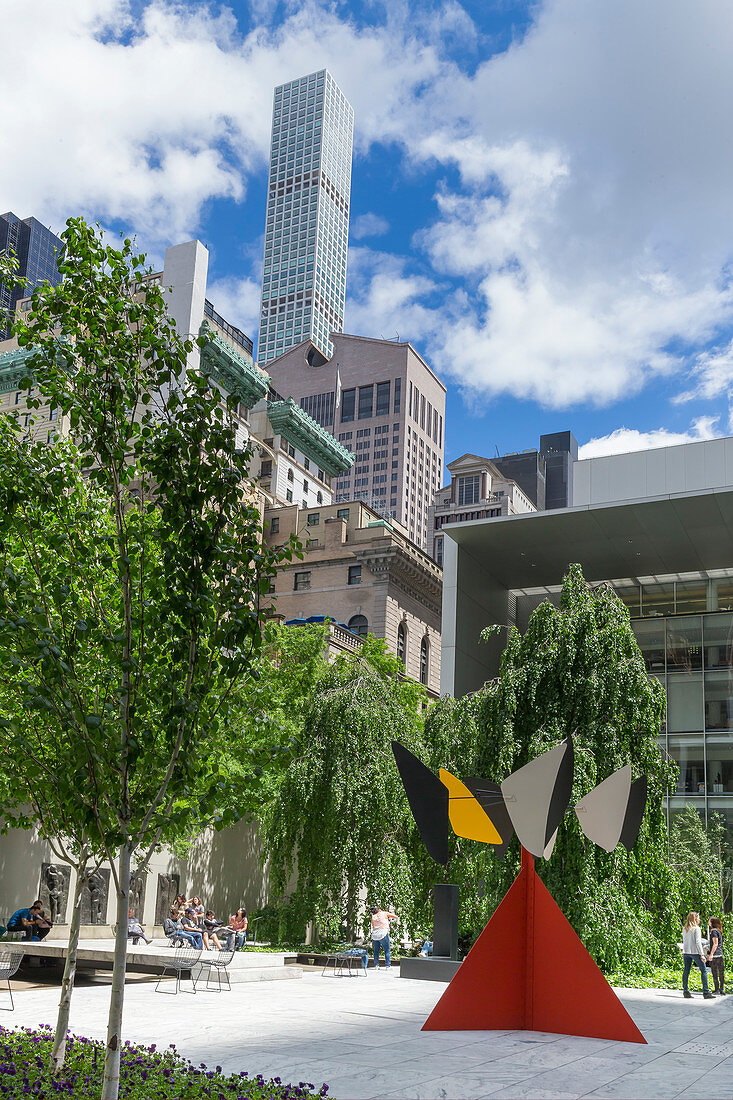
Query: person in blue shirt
24, 920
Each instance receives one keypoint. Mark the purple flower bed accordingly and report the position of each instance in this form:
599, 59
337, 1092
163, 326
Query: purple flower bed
145, 1073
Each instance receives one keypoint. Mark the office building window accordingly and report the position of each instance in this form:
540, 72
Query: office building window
275, 525
438, 555
354, 574
422, 411
383, 398
366, 401
424, 660
53, 414
348, 402
401, 642
343, 513
302, 581
289, 496
469, 489
266, 469
397, 394
359, 625
314, 518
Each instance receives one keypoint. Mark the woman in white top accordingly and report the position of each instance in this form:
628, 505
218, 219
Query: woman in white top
693, 952
380, 934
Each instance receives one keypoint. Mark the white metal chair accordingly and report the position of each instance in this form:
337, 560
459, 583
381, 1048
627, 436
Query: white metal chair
183, 961
219, 964
9, 963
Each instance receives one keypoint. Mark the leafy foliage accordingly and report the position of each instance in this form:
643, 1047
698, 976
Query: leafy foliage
128, 618
145, 1073
695, 854
340, 817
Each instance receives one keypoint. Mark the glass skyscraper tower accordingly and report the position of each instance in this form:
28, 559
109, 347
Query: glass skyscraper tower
35, 248
307, 226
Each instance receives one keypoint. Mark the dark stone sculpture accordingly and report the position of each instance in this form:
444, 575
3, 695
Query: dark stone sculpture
168, 887
138, 880
54, 890
94, 897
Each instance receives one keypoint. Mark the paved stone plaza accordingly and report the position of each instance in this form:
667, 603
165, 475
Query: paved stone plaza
362, 1036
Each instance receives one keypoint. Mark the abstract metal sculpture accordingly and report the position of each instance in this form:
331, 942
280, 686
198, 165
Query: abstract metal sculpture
551, 983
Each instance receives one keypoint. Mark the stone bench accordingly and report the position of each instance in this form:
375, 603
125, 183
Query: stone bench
246, 966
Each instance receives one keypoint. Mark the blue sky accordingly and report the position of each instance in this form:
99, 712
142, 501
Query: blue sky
541, 193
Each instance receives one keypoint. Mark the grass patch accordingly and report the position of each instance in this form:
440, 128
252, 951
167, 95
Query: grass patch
145, 1073
657, 977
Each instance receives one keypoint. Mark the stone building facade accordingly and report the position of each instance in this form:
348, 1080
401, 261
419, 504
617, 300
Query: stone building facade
382, 401
364, 572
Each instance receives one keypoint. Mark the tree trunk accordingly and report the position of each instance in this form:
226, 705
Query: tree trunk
58, 1051
111, 1082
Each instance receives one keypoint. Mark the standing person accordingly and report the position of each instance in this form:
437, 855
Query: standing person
715, 955
380, 934
693, 952
238, 923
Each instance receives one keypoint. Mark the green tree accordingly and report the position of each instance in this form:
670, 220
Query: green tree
577, 669
136, 672
696, 855
340, 816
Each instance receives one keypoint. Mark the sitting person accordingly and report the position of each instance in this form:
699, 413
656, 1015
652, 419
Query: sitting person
426, 949
24, 920
187, 922
42, 923
180, 932
135, 929
211, 926
196, 906
238, 924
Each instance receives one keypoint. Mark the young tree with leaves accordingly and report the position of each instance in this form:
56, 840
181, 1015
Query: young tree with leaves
137, 673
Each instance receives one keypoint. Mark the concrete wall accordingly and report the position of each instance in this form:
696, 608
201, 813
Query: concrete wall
223, 868
689, 467
472, 600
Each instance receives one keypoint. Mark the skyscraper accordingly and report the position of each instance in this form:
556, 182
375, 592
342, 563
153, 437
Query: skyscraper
307, 224
35, 247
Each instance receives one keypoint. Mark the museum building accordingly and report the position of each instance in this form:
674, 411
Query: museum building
658, 526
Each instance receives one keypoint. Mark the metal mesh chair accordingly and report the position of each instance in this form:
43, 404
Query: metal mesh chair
9, 963
217, 964
346, 959
181, 965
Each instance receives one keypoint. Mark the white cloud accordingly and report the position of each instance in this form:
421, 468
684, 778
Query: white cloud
368, 225
238, 301
712, 374
587, 233
630, 439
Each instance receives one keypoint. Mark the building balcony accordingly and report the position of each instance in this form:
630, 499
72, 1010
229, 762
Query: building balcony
235, 373
300, 429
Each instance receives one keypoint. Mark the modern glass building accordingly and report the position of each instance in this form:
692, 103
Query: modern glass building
307, 223
684, 626
658, 527
36, 248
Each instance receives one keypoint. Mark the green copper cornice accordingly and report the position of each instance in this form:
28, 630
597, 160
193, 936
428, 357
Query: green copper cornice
300, 429
235, 374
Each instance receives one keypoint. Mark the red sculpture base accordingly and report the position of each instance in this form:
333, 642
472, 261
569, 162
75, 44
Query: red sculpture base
528, 971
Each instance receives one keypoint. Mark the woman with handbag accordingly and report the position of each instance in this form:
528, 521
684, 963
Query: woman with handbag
694, 955
380, 934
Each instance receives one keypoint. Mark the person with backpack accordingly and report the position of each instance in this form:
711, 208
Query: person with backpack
715, 955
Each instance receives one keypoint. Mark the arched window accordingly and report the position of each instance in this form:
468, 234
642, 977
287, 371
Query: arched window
359, 625
424, 660
401, 642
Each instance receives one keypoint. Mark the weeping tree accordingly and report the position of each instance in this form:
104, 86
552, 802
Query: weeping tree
697, 855
340, 820
577, 669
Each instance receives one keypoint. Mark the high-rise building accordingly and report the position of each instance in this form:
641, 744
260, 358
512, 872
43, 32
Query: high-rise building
35, 248
307, 223
382, 401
